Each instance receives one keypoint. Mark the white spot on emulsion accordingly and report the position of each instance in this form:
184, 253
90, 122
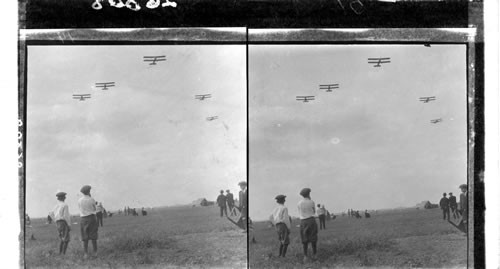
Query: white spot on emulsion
335, 140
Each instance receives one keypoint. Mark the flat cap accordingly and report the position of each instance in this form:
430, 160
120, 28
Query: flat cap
280, 197
61, 193
85, 189
463, 186
305, 191
244, 183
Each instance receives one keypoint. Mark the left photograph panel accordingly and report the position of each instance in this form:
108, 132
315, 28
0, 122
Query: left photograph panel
135, 154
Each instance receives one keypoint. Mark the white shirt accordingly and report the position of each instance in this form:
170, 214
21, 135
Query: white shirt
280, 215
306, 208
321, 211
61, 212
87, 207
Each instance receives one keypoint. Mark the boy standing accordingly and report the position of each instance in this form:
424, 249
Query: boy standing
281, 221
88, 221
61, 215
308, 225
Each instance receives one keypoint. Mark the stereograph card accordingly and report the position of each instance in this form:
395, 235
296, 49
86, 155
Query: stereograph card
357, 127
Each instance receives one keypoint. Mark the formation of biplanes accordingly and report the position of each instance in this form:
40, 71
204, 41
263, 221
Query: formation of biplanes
377, 63
151, 60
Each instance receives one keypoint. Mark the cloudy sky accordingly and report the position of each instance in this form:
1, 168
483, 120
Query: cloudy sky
368, 144
144, 142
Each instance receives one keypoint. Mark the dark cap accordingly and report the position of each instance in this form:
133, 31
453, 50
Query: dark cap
463, 186
280, 197
85, 189
305, 191
242, 183
60, 194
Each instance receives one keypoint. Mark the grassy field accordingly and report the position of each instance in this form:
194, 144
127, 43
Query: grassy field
166, 238
390, 239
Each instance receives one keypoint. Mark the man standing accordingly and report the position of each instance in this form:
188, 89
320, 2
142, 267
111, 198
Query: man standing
308, 225
61, 216
221, 202
445, 206
453, 205
99, 213
230, 201
243, 203
464, 209
322, 216
88, 221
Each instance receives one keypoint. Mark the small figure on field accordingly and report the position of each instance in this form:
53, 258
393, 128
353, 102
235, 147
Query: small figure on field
463, 205
230, 201
62, 218
308, 225
144, 212
221, 202
281, 221
453, 205
322, 216
367, 215
243, 203
99, 213
88, 220
49, 219
357, 215
445, 206
134, 212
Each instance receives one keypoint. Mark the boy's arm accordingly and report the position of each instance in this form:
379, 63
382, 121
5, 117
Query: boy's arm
67, 216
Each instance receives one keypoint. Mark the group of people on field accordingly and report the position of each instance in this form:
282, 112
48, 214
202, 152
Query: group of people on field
449, 205
227, 201
127, 211
91, 214
308, 226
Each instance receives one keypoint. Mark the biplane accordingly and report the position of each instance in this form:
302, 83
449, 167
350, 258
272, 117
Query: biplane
436, 120
427, 99
305, 99
328, 87
154, 59
202, 97
212, 118
379, 61
81, 97
104, 85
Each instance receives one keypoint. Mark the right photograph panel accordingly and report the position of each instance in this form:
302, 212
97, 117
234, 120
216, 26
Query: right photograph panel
358, 155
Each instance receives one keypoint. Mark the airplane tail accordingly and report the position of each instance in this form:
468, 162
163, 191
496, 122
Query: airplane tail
460, 226
237, 219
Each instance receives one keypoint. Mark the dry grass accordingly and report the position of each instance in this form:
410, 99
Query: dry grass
166, 238
391, 239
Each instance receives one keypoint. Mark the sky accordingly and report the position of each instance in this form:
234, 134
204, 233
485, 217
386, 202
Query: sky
146, 141
367, 145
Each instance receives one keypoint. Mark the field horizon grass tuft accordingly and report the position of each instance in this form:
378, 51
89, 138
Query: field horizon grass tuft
407, 238
166, 238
